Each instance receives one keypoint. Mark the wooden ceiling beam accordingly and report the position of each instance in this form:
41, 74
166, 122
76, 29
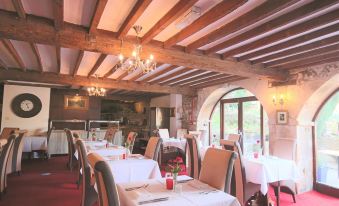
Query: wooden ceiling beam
58, 9
261, 12
172, 75
78, 62
207, 80
185, 76
3, 64
299, 49
37, 56
194, 79
9, 46
123, 75
111, 71
19, 8
138, 9
221, 81
280, 21
312, 53
155, 73
137, 76
217, 12
58, 58
97, 64
99, 10
173, 14
294, 30
312, 59
305, 66
52, 78
37, 30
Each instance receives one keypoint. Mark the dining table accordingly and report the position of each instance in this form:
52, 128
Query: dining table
174, 142
269, 169
187, 192
34, 143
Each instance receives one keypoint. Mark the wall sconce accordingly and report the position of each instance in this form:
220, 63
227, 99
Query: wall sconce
280, 101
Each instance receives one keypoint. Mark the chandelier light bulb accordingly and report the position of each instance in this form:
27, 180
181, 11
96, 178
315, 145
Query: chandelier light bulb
121, 57
151, 57
134, 53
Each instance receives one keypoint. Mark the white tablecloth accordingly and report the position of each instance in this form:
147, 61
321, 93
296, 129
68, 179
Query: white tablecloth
35, 143
192, 194
270, 169
172, 142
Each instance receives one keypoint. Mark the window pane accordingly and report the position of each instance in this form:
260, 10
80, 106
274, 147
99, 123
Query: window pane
251, 126
230, 119
238, 93
215, 125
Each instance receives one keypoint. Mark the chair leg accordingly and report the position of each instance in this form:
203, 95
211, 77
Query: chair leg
293, 195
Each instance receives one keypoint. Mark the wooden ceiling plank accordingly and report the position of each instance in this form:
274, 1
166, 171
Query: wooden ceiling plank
299, 49
19, 8
156, 74
3, 64
224, 81
182, 77
9, 46
173, 14
297, 69
283, 20
138, 9
312, 53
99, 10
262, 11
174, 74
294, 30
123, 75
111, 71
194, 79
37, 30
217, 12
37, 56
97, 64
52, 78
78, 62
207, 80
137, 76
58, 9
58, 58
312, 59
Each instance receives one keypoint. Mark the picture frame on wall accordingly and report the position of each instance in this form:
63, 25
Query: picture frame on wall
282, 117
76, 102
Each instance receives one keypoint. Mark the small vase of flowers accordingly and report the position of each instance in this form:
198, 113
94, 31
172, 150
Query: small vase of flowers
94, 135
174, 169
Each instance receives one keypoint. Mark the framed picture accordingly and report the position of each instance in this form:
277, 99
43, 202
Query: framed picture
282, 117
76, 102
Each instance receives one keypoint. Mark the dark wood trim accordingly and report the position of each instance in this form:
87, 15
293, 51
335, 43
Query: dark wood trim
58, 58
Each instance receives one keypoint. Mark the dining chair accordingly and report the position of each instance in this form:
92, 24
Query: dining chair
89, 195
71, 149
240, 188
15, 155
44, 152
3, 164
286, 149
7, 132
131, 139
107, 189
181, 133
193, 158
217, 168
197, 134
110, 133
153, 148
164, 134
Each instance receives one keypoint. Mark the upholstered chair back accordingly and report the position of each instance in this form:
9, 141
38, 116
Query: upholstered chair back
15, 155
110, 134
239, 174
89, 195
153, 148
71, 148
284, 148
131, 139
181, 133
193, 157
7, 132
164, 134
217, 168
107, 189
3, 162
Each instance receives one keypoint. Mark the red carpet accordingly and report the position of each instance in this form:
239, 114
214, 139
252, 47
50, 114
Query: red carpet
59, 189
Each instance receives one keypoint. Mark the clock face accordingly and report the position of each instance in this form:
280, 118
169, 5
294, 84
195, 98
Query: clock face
26, 105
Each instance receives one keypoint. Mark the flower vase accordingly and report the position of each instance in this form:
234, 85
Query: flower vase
175, 175
128, 152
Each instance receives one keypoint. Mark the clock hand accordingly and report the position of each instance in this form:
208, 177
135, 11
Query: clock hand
27, 106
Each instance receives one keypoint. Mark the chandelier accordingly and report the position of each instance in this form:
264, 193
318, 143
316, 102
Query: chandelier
96, 91
135, 62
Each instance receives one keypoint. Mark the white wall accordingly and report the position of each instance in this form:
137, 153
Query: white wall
34, 124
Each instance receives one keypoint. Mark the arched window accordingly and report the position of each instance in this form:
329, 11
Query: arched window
327, 145
239, 112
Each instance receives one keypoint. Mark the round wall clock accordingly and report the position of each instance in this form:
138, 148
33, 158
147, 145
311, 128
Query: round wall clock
26, 105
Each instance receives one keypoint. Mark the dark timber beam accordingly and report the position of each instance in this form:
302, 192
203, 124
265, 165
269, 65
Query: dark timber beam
99, 10
58, 9
78, 62
9, 46
19, 8
97, 64
37, 56
37, 30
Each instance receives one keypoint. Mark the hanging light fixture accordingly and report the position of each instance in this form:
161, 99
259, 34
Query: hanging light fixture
135, 62
96, 91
